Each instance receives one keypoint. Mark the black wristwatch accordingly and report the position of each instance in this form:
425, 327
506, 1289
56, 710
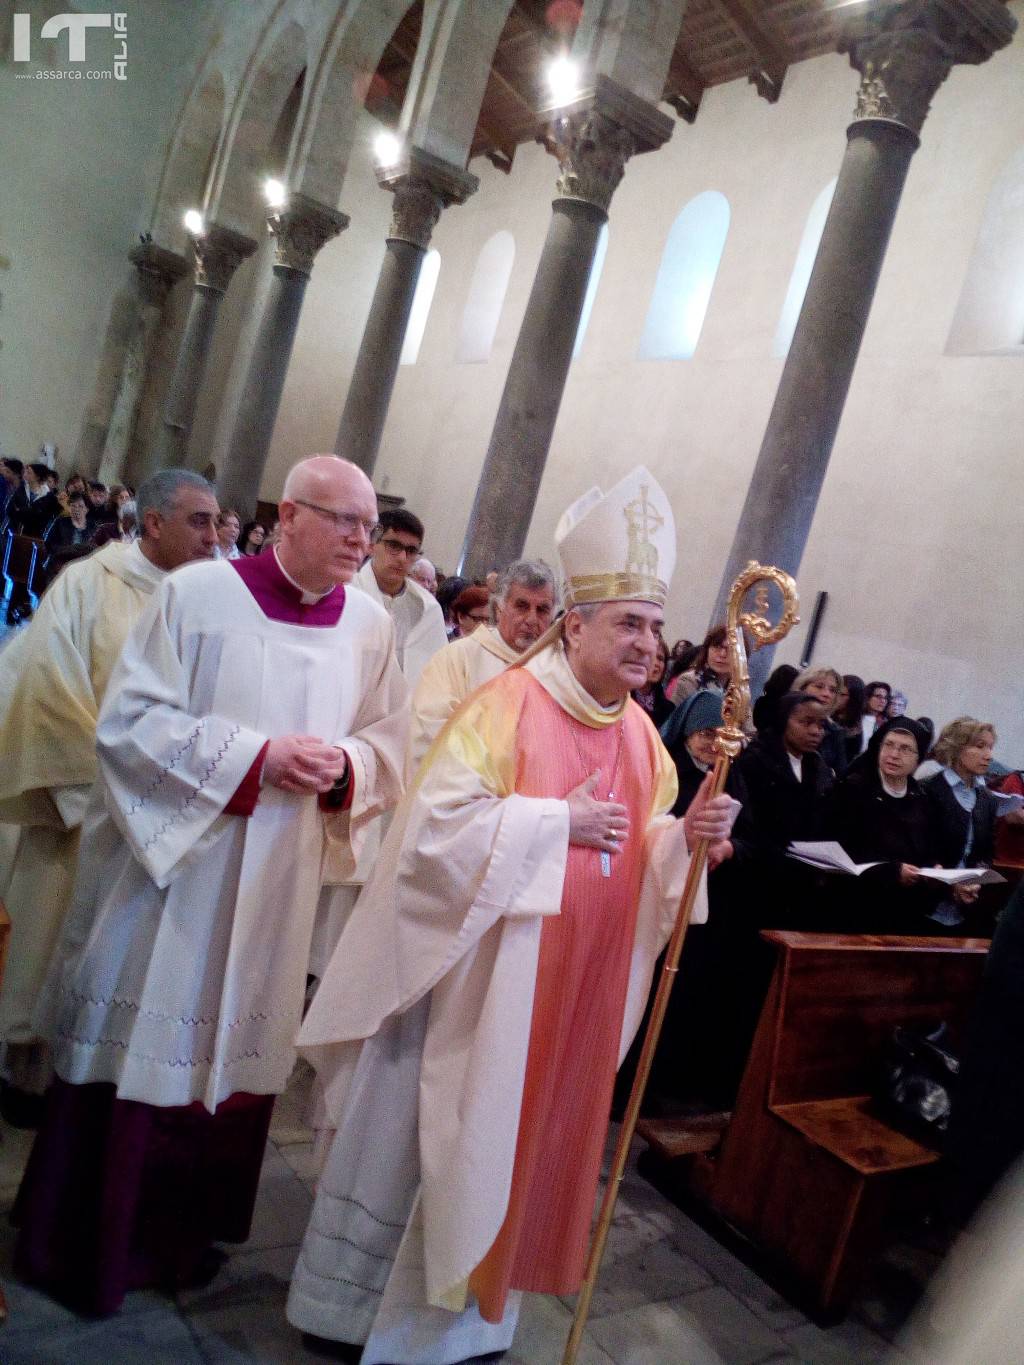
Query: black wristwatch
338, 793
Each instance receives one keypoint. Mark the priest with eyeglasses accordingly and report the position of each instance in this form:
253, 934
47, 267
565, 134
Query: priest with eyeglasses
254, 727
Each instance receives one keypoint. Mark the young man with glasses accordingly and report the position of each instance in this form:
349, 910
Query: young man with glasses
419, 621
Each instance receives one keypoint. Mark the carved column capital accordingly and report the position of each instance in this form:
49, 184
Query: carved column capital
159, 270
594, 137
904, 54
218, 254
423, 185
301, 229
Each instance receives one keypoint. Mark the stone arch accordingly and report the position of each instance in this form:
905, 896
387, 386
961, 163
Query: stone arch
233, 195
989, 315
446, 85
336, 91
686, 277
187, 166
450, 74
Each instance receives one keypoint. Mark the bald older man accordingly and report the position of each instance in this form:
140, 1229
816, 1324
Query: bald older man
255, 724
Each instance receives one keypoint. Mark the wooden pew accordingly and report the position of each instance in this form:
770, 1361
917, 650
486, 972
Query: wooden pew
807, 1169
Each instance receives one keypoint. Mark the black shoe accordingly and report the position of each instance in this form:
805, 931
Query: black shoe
332, 1350
205, 1270
20, 1108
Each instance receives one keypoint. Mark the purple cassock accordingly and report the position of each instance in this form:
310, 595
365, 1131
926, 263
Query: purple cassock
120, 1195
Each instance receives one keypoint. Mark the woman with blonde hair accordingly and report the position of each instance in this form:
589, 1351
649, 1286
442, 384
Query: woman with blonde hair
963, 809
825, 685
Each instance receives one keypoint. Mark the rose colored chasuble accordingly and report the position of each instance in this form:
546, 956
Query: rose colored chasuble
582, 979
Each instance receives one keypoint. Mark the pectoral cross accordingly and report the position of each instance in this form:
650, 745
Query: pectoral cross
606, 857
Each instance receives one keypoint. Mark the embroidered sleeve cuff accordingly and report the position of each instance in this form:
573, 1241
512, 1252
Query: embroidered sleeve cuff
248, 791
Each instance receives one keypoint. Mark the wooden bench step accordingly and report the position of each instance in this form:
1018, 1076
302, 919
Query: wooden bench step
671, 1138
850, 1130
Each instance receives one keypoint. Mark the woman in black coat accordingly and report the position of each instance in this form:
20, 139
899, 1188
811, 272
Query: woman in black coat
786, 781
880, 815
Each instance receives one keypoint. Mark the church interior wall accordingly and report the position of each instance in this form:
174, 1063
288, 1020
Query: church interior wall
915, 532
80, 165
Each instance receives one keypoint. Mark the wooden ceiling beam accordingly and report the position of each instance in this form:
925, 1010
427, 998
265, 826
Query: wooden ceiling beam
685, 87
772, 57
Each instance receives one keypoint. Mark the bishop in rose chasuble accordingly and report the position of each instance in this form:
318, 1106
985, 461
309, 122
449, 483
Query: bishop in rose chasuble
469, 1026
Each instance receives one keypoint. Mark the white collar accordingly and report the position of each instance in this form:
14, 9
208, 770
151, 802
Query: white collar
308, 598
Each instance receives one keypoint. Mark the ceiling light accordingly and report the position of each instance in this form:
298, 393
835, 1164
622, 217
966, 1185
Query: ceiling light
275, 193
563, 77
387, 148
194, 224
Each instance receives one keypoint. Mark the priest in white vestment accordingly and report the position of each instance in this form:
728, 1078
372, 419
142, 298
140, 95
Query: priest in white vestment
524, 606
255, 724
387, 579
494, 970
53, 676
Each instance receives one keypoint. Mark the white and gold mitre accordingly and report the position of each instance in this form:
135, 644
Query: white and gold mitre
618, 546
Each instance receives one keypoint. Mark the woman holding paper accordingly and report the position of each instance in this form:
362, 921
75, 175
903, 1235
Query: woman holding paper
880, 814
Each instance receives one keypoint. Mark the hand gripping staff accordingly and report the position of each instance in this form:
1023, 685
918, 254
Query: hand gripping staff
728, 744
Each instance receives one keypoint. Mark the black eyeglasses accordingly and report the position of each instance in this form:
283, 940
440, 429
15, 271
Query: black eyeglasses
396, 546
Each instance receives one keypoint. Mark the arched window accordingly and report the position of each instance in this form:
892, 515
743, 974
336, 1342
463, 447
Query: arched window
600, 252
486, 296
420, 311
686, 278
990, 313
802, 268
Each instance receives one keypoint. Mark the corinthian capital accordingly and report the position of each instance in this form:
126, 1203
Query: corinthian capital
423, 185
301, 229
218, 254
594, 137
908, 51
159, 269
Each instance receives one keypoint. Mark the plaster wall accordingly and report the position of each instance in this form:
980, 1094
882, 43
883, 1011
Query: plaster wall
917, 533
80, 162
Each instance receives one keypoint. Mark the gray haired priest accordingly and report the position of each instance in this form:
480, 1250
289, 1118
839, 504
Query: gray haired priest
494, 972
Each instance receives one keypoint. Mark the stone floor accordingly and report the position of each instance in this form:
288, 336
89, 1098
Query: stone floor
669, 1293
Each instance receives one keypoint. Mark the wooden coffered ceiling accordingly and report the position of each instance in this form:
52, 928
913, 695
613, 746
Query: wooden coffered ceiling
720, 41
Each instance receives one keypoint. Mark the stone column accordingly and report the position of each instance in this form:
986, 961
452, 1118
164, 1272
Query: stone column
422, 185
903, 57
300, 230
218, 254
157, 271
592, 139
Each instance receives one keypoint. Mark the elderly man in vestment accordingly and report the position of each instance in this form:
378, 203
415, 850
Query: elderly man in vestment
255, 722
494, 970
53, 676
524, 605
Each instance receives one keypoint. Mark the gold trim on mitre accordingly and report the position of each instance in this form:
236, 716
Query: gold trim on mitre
616, 587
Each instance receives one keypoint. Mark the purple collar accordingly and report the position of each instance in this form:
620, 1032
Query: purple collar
281, 600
